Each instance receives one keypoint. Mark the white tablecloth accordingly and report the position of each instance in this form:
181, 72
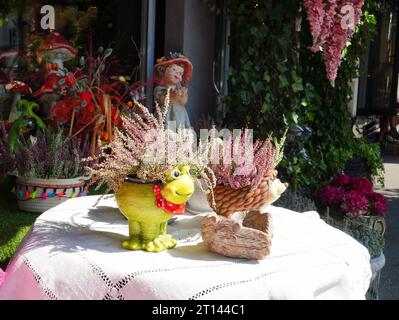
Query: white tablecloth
73, 252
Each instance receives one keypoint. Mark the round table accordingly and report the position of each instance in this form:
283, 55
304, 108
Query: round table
73, 252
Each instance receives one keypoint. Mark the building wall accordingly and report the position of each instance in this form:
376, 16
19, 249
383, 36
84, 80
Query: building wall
190, 29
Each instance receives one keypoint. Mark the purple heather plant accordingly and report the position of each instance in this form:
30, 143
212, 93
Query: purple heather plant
50, 155
7, 159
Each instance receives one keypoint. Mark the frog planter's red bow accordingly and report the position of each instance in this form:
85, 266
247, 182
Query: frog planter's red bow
165, 205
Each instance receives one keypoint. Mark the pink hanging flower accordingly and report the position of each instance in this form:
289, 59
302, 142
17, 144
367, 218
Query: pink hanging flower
328, 23
330, 30
315, 11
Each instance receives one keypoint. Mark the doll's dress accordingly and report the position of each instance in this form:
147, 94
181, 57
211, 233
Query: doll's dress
176, 113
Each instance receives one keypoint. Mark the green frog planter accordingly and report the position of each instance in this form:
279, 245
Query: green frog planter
149, 205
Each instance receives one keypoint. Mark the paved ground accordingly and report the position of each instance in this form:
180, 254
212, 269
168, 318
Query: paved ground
389, 285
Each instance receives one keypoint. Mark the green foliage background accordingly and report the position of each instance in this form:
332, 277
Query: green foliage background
276, 81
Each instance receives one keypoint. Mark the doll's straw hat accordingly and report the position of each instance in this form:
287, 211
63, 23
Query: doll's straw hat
173, 58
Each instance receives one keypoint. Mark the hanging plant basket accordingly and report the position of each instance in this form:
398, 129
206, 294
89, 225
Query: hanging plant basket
40, 195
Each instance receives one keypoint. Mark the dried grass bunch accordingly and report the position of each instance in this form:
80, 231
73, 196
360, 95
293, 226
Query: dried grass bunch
145, 149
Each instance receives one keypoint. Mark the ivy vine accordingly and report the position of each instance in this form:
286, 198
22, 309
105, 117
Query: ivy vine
275, 81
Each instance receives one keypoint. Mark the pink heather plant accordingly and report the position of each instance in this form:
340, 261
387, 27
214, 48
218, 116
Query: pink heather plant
145, 149
243, 164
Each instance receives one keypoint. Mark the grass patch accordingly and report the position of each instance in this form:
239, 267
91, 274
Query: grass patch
14, 223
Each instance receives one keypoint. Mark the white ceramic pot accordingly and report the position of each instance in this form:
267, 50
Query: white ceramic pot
198, 203
40, 195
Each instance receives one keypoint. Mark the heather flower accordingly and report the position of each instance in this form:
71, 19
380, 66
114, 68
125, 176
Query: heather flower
49, 155
354, 202
331, 195
243, 163
315, 11
362, 185
341, 180
144, 148
378, 204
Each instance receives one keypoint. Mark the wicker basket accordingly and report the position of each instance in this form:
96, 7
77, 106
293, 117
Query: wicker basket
228, 200
48, 193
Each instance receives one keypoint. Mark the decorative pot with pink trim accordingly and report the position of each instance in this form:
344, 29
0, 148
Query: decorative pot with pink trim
40, 195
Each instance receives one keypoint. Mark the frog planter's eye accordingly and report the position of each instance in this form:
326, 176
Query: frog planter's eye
175, 174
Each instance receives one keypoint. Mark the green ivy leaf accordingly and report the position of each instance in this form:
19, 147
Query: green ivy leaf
266, 76
283, 82
297, 86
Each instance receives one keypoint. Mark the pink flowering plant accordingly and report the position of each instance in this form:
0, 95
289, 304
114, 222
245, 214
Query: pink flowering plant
332, 23
354, 197
241, 163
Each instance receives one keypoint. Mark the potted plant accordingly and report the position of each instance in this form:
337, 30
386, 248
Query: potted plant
354, 198
245, 174
48, 168
152, 171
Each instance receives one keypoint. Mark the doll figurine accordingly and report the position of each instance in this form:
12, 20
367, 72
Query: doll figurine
173, 72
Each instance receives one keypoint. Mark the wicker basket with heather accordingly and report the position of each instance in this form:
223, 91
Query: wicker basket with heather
247, 184
246, 175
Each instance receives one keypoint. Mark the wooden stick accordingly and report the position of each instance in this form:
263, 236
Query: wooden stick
72, 123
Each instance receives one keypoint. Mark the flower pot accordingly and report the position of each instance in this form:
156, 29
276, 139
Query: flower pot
377, 223
229, 201
40, 195
142, 203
